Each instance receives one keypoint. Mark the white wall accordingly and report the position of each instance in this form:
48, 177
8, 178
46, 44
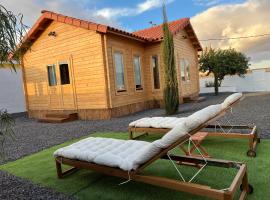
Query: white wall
257, 81
11, 91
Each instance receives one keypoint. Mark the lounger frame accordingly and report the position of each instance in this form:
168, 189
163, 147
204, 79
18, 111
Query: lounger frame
252, 136
240, 178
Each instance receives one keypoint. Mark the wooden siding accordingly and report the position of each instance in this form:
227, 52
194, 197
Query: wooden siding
92, 92
154, 50
106, 113
83, 50
185, 49
128, 48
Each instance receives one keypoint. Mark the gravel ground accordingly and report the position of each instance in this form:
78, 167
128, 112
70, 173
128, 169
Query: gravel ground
12, 187
32, 136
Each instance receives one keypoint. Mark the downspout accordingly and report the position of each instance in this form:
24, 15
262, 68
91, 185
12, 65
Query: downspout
106, 70
24, 86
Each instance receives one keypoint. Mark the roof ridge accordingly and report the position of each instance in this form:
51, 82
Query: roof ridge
185, 18
154, 34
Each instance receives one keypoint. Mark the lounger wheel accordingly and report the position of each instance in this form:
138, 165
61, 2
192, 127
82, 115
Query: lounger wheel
251, 153
250, 188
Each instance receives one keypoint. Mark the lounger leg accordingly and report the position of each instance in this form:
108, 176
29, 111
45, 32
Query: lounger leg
130, 135
58, 169
253, 140
183, 149
245, 187
60, 173
203, 151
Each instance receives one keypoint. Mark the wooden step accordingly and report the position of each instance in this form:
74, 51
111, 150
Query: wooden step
62, 115
59, 117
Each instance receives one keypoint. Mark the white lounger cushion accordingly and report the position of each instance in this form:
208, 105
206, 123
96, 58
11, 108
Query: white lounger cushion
129, 154
172, 136
125, 154
231, 99
196, 119
191, 122
155, 147
157, 122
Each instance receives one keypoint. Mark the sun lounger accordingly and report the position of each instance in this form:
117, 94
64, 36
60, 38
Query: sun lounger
165, 124
128, 158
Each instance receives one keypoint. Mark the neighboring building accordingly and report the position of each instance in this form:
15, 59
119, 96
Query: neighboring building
101, 72
11, 91
256, 80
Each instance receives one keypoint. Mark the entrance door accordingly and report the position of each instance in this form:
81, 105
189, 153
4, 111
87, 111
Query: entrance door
53, 88
66, 85
61, 89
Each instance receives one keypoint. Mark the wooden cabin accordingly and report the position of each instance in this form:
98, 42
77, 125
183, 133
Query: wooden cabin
100, 71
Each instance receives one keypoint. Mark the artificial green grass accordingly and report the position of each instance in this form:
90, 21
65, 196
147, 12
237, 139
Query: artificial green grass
40, 168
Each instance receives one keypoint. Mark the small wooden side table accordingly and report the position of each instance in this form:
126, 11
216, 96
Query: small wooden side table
197, 139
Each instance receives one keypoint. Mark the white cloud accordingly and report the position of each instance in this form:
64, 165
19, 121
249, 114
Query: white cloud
150, 4
237, 20
84, 9
206, 2
31, 9
128, 11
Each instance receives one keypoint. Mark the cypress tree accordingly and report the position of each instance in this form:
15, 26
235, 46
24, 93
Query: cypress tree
170, 93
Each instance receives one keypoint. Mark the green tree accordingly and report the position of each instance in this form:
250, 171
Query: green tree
221, 62
170, 93
12, 31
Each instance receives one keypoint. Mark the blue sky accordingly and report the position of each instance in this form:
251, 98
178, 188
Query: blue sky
209, 18
177, 9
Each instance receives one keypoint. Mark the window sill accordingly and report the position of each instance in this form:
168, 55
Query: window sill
139, 89
156, 90
186, 82
120, 91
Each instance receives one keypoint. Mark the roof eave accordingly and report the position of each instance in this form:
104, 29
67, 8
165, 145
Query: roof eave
126, 34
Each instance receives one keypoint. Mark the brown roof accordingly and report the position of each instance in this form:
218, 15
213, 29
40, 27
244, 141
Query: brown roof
147, 35
156, 32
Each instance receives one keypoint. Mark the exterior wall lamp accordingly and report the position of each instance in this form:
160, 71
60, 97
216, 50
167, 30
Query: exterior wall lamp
52, 33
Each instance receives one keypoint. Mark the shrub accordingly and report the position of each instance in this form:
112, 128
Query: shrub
6, 130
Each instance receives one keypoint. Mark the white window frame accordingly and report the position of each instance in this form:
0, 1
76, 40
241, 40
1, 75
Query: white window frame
124, 88
55, 74
140, 72
185, 70
152, 69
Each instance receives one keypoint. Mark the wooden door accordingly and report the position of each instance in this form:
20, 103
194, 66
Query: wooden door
66, 85
53, 88
61, 86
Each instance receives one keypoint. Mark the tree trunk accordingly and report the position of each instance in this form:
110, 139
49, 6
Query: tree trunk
216, 85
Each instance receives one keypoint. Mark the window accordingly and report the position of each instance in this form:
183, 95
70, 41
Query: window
51, 75
182, 69
119, 68
64, 74
185, 69
137, 70
155, 72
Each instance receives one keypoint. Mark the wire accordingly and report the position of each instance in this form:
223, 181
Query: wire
235, 38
